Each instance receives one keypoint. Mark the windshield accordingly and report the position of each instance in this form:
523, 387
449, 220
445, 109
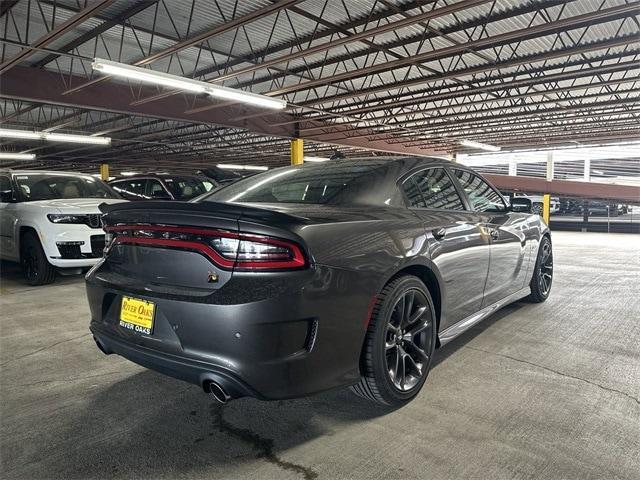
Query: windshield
186, 188
46, 186
332, 182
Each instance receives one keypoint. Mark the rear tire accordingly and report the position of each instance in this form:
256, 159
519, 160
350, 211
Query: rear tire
399, 343
35, 267
542, 273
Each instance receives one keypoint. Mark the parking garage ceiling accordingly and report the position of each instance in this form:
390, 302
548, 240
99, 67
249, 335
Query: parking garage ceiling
414, 77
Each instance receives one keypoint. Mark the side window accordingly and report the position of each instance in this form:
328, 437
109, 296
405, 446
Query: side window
156, 190
5, 189
483, 198
432, 188
131, 189
412, 192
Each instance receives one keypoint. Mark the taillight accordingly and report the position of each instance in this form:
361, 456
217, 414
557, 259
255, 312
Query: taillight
267, 252
226, 249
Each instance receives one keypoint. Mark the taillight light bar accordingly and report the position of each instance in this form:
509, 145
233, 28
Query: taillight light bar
228, 250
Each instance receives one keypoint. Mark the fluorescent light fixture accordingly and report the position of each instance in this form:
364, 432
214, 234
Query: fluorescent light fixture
230, 166
316, 159
17, 156
128, 174
174, 81
53, 137
63, 137
480, 146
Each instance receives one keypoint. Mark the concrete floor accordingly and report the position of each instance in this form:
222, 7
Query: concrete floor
536, 391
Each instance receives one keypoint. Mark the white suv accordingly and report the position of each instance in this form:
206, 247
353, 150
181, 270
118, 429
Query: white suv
50, 221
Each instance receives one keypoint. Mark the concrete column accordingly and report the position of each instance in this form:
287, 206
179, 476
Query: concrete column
513, 168
546, 199
297, 151
587, 170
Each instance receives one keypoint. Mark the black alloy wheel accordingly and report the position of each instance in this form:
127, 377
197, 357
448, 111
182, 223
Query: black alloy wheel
408, 339
399, 344
543, 273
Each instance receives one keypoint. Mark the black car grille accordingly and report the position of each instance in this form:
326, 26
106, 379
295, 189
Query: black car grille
69, 251
94, 221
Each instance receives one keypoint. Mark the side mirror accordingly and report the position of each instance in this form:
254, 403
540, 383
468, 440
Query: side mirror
521, 205
6, 196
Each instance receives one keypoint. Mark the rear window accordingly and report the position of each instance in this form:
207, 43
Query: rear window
333, 182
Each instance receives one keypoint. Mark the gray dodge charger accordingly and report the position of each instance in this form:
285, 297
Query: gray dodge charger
305, 278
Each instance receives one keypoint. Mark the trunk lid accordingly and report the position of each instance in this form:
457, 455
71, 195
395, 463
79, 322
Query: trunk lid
192, 249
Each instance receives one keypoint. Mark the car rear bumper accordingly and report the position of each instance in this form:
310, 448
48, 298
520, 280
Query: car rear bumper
177, 367
286, 342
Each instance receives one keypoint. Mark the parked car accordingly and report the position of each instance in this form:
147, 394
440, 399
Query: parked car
571, 206
622, 209
305, 278
50, 221
603, 208
160, 186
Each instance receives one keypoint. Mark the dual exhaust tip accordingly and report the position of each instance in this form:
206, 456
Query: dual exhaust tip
216, 391
213, 388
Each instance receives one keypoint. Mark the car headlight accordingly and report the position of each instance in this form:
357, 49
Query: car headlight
66, 218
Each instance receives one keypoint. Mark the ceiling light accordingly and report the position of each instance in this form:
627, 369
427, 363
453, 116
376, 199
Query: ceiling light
316, 159
174, 81
480, 146
63, 137
53, 137
230, 166
128, 174
17, 156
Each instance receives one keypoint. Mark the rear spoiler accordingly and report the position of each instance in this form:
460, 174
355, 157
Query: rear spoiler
228, 210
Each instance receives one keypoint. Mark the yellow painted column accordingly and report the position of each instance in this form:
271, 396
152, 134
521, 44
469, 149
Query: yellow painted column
297, 151
104, 172
546, 207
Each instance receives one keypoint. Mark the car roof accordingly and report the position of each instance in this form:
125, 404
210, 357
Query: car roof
156, 175
10, 171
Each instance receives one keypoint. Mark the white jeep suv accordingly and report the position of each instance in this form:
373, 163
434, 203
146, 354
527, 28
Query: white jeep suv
51, 221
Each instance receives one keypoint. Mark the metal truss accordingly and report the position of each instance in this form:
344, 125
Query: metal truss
395, 76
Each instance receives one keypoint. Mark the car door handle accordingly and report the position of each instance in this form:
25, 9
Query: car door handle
439, 233
495, 234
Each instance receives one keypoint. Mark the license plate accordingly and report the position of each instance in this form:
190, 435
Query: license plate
137, 315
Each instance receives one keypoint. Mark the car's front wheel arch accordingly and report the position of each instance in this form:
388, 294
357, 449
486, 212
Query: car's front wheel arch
22, 234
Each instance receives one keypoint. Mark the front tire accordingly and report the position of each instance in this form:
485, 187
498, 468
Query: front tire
543, 273
35, 267
399, 343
